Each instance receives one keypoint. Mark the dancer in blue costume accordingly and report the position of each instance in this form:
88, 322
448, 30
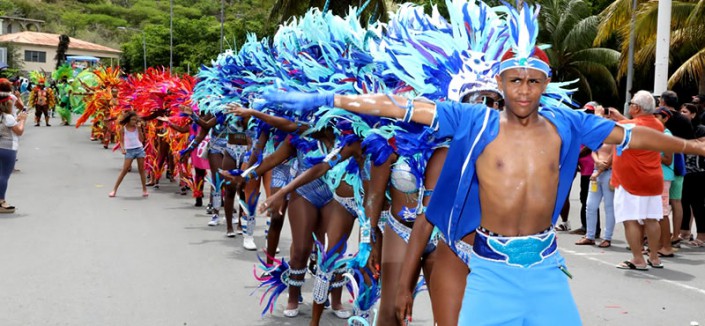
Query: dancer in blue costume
265, 144
506, 176
459, 65
344, 172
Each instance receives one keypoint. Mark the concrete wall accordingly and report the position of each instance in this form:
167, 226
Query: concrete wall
50, 64
18, 25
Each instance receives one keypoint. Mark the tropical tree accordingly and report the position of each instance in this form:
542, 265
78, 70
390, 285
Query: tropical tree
373, 9
687, 48
64, 41
570, 29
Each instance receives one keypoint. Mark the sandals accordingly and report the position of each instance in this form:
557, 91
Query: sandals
696, 243
629, 265
605, 244
6, 208
563, 226
585, 241
111, 194
659, 265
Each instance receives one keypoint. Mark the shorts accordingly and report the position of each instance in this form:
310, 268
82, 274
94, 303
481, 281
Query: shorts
316, 192
41, 109
133, 153
664, 198
628, 207
281, 175
676, 191
517, 281
237, 152
217, 145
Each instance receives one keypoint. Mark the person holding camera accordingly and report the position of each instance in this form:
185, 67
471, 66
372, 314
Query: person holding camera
131, 143
10, 130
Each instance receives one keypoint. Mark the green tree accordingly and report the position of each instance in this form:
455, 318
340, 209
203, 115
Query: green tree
570, 29
14, 57
285, 9
687, 48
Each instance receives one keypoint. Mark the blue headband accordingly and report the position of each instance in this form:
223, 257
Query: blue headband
528, 63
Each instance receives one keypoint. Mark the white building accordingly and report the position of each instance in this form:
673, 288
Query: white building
18, 24
38, 50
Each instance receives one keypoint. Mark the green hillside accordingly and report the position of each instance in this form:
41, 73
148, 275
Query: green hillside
196, 25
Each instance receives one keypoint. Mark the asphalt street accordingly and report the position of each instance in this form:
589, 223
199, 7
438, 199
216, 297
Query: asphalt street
72, 256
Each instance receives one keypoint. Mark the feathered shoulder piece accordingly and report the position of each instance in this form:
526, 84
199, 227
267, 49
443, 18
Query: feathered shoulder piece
63, 71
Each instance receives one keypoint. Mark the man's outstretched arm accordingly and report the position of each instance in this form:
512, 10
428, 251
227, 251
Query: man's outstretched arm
384, 106
390, 106
650, 139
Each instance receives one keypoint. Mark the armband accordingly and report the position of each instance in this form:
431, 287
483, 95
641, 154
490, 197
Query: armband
409, 111
624, 145
434, 123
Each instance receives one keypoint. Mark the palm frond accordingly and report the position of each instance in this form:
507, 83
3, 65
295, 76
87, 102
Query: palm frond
598, 74
604, 56
614, 18
682, 13
582, 34
697, 16
692, 68
646, 53
573, 12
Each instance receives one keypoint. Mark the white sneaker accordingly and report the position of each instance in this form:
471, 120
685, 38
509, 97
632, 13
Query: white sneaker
215, 220
342, 313
248, 242
291, 313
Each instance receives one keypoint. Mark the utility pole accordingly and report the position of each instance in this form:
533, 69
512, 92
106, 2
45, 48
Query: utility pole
222, 22
630, 60
663, 43
171, 35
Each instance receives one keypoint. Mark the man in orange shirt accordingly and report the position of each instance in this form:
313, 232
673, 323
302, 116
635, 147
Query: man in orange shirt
638, 181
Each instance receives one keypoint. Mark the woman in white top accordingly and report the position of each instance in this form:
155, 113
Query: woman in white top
131, 140
10, 130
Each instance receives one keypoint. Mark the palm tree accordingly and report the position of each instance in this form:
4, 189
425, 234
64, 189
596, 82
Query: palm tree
570, 29
687, 48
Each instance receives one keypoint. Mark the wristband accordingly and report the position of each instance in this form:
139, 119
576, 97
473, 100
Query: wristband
409, 111
251, 170
194, 116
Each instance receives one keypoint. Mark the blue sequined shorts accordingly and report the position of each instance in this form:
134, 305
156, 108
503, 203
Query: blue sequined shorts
237, 152
404, 232
281, 175
316, 192
217, 145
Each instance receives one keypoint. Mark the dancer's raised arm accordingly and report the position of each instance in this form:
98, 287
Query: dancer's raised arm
391, 106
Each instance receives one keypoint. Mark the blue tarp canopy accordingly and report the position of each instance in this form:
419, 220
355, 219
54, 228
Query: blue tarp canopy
82, 58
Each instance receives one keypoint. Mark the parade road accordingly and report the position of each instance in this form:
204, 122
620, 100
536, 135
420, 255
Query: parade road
72, 256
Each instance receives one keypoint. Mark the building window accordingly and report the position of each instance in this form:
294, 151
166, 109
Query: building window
35, 56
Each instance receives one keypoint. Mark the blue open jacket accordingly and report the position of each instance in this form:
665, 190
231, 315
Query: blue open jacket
455, 207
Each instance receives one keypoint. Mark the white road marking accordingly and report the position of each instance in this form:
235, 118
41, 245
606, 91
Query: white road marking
647, 274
